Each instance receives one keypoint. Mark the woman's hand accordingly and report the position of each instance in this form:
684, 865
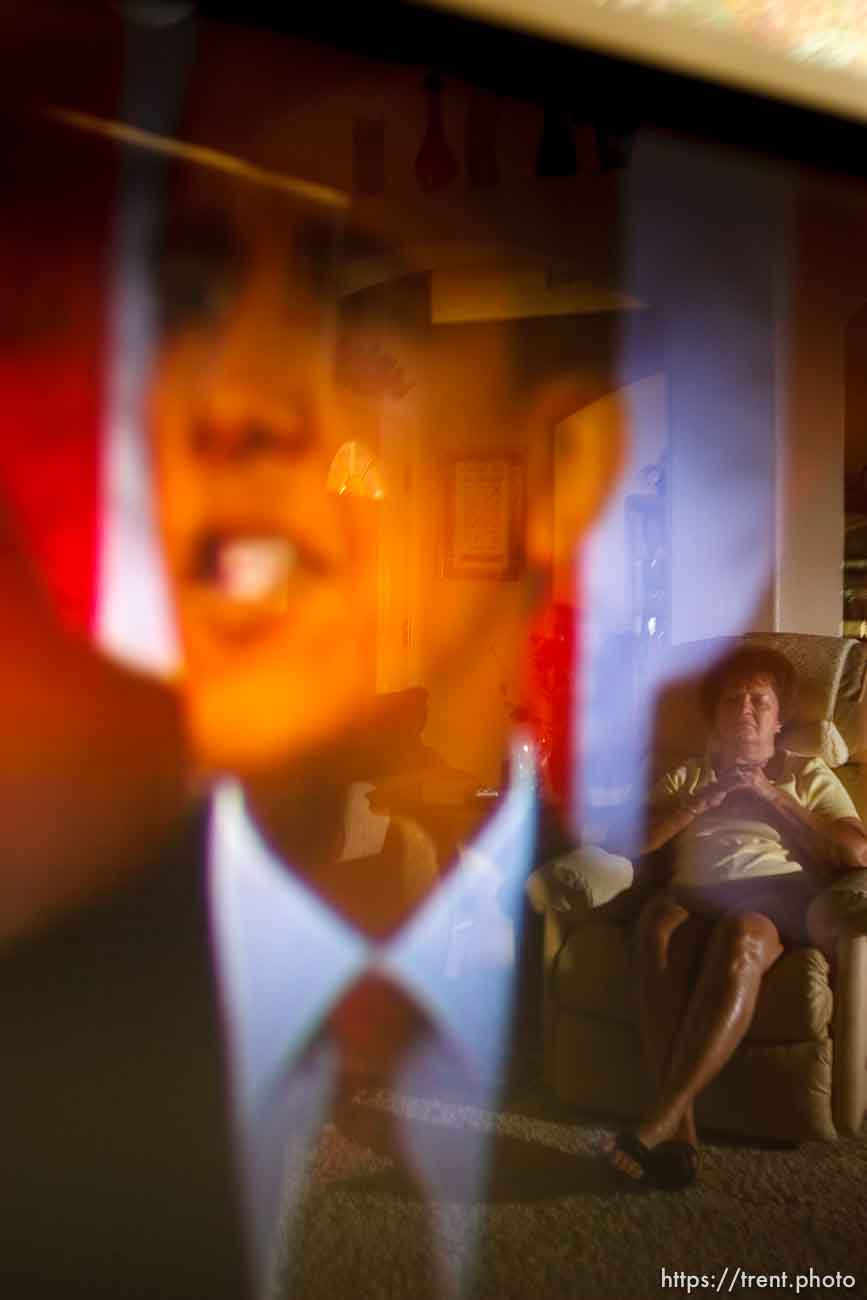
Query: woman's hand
712, 795
709, 796
666, 822
821, 844
751, 779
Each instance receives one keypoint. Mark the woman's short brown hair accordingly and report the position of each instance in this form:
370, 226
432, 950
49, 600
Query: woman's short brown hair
750, 661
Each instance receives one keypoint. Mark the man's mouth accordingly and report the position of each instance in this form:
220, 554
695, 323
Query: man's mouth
247, 568
252, 568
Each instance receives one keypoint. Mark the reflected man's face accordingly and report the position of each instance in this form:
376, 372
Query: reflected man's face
274, 577
260, 386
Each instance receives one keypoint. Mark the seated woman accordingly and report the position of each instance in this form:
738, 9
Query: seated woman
755, 832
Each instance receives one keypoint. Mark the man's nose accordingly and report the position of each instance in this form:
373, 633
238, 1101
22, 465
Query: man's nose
264, 393
268, 377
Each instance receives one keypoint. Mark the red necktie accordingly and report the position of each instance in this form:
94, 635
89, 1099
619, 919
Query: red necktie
375, 1023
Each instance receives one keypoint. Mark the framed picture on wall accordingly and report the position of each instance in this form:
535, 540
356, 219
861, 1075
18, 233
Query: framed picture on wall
484, 502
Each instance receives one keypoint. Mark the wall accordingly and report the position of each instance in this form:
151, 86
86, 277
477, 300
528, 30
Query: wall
639, 413
705, 232
462, 412
829, 284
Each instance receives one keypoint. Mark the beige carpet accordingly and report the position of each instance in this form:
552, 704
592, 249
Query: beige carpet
555, 1222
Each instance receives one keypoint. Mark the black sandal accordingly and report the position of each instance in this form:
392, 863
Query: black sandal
629, 1145
670, 1166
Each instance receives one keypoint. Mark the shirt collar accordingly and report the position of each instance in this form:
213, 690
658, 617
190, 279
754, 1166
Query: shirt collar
284, 957
494, 867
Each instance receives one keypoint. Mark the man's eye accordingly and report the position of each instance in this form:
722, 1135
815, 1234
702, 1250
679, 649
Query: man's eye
251, 442
315, 258
191, 290
196, 271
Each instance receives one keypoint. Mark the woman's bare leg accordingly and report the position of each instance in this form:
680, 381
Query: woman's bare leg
740, 950
669, 945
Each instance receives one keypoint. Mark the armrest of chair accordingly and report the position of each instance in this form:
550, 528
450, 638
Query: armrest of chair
839, 911
575, 884
837, 922
567, 890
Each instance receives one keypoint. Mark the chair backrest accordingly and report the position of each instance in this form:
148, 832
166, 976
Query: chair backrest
832, 681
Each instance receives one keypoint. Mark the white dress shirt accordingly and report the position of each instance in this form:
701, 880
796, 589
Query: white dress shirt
284, 959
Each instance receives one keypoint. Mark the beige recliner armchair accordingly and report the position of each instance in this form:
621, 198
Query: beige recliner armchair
802, 1070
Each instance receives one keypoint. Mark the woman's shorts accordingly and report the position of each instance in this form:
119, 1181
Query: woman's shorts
782, 899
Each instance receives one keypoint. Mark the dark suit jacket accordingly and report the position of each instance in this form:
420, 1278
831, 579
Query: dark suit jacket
117, 1174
